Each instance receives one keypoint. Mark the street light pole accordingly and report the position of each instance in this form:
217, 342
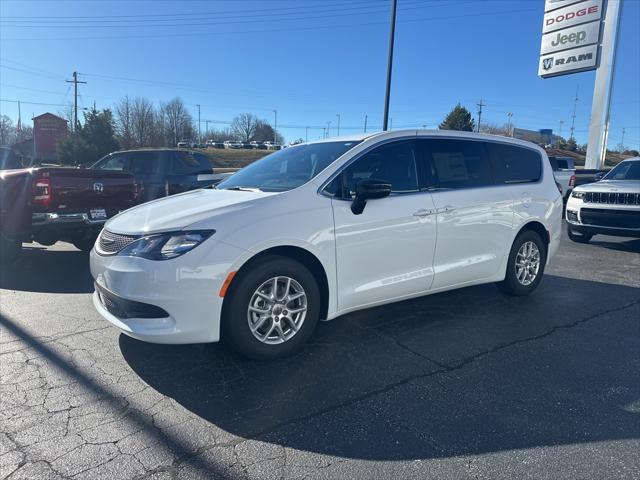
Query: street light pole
306, 134
338, 115
199, 131
389, 63
365, 123
275, 127
328, 128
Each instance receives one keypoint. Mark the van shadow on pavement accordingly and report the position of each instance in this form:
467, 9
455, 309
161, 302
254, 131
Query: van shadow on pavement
464, 372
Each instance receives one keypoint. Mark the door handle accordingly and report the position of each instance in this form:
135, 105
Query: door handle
446, 209
424, 212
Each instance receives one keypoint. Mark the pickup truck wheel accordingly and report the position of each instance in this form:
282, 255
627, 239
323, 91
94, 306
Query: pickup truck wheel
525, 266
9, 249
85, 244
579, 237
272, 309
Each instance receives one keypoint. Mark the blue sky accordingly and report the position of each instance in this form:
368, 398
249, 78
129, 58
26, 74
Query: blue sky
309, 59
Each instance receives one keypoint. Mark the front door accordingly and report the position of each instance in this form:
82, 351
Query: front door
386, 252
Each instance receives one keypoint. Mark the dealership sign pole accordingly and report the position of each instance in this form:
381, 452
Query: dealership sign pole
601, 105
577, 36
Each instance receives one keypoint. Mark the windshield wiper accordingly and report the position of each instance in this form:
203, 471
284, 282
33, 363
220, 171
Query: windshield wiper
243, 189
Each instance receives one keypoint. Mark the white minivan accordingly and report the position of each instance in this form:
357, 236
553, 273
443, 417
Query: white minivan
325, 228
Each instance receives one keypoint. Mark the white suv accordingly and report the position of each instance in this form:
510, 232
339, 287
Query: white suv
609, 207
321, 229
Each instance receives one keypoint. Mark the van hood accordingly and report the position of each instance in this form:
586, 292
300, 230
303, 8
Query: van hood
622, 186
179, 211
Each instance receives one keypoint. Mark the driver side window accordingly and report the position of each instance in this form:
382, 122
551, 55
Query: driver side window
393, 163
114, 162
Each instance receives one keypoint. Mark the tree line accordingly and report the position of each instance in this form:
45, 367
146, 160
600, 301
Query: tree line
138, 123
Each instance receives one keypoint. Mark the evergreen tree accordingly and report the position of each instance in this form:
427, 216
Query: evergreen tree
458, 119
91, 141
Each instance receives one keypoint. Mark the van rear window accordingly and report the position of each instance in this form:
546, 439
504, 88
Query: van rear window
513, 164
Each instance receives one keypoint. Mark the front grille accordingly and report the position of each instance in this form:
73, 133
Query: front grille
123, 309
610, 218
110, 243
612, 198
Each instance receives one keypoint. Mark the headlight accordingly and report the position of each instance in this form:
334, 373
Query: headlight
575, 194
164, 246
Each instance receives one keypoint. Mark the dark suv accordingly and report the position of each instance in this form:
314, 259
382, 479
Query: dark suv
162, 172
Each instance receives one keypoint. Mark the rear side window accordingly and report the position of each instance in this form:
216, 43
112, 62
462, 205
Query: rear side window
190, 163
457, 163
513, 164
144, 162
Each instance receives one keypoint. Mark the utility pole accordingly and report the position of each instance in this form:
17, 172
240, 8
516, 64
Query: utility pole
392, 32
19, 128
509, 115
573, 117
75, 82
338, 115
622, 141
328, 128
306, 134
199, 132
480, 105
365, 123
324, 132
275, 128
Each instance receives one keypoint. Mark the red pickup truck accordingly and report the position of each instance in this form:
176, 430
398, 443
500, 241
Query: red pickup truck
48, 204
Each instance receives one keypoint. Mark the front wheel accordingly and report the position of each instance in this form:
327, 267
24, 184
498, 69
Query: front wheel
526, 264
272, 310
579, 237
9, 249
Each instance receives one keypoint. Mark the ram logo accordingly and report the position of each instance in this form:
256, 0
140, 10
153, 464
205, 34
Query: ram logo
547, 63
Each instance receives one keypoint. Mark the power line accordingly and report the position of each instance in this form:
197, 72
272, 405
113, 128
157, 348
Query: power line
288, 29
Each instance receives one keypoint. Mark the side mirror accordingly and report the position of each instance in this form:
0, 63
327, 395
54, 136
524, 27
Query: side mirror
368, 190
599, 176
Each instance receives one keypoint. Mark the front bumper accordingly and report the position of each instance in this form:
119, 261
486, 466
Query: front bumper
186, 288
608, 219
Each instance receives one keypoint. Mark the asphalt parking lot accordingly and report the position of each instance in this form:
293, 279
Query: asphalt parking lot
466, 384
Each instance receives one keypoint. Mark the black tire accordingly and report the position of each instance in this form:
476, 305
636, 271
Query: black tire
235, 323
9, 249
579, 237
511, 285
85, 244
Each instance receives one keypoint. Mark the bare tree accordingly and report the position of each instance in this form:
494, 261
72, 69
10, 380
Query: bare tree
7, 130
124, 123
142, 119
244, 126
177, 121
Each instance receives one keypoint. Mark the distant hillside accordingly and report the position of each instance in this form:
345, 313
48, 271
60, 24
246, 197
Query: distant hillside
612, 158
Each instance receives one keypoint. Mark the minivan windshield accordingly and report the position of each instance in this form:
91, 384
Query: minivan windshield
287, 169
625, 171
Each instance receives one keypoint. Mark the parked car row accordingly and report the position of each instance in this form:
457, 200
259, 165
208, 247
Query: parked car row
50, 204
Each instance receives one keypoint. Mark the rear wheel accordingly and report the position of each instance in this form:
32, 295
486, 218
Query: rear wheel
526, 264
272, 309
579, 237
9, 249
